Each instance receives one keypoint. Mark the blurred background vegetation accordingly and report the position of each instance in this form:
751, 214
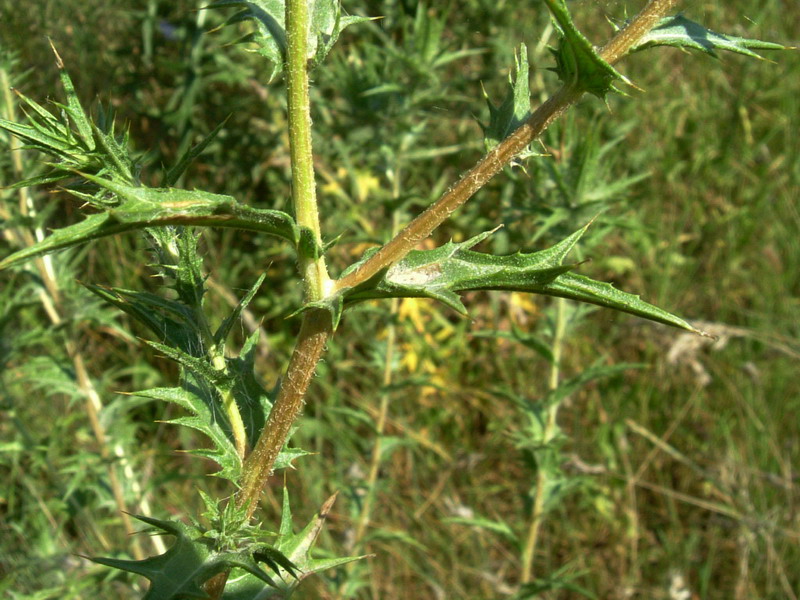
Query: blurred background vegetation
680, 476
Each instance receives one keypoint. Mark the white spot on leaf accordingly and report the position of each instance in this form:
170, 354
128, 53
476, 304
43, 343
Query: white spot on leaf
420, 276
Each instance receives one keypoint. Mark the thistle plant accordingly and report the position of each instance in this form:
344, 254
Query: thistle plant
226, 552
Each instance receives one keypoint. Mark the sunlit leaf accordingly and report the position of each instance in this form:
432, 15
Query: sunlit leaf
296, 548
326, 23
447, 271
205, 415
192, 560
73, 139
680, 32
141, 207
578, 64
515, 108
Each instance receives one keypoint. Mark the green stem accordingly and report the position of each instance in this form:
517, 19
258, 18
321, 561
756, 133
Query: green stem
537, 510
237, 424
493, 162
304, 196
217, 355
316, 326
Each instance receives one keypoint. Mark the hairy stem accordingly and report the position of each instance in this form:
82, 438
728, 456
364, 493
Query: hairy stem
314, 333
316, 326
259, 465
649, 16
304, 196
469, 183
493, 162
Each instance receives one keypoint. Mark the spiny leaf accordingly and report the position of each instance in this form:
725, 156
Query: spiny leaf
45, 137
182, 571
209, 389
515, 108
184, 161
203, 385
452, 268
237, 380
73, 139
680, 32
577, 62
206, 416
287, 457
325, 25
180, 266
584, 289
268, 16
141, 207
295, 549
225, 328
200, 366
115, 153
200, 205
445, 272
172, 321
73, 107
252, 399
93, 227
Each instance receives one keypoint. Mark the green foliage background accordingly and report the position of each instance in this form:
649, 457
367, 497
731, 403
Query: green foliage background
687, 467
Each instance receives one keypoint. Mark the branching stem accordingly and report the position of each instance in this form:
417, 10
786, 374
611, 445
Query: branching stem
316, 327
493, 162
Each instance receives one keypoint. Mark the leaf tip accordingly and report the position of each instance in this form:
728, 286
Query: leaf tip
702, 333
59, 60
